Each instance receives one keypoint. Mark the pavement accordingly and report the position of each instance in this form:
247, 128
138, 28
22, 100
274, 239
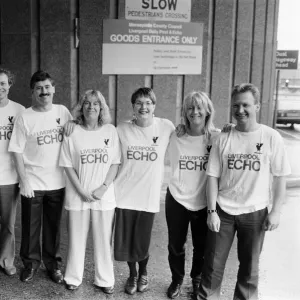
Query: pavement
279, 269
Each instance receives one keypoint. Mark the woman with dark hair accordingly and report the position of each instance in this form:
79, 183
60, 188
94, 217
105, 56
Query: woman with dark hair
143, 142
91, 157
186, 194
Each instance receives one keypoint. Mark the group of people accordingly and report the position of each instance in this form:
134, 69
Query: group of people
111, 177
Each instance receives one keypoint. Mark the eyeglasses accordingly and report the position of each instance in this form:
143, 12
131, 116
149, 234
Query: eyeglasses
140, 104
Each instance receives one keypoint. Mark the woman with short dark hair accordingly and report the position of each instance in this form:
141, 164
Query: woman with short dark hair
143, 142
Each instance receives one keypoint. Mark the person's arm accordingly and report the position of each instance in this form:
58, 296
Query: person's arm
72, 175
25, 187
212, 187
69, 127
110, 177
273, 219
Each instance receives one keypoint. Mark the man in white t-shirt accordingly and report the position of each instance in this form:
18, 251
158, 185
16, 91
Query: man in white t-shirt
9, 188
36, 142
242, 165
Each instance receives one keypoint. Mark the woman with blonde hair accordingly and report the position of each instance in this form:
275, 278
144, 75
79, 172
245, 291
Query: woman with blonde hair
91, 157
186, 194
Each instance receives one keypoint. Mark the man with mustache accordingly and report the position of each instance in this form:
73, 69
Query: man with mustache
35, 143
242, 165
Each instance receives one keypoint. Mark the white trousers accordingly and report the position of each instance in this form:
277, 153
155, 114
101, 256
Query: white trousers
102, 228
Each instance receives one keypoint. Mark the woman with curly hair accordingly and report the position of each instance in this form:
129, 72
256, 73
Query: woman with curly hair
91, 156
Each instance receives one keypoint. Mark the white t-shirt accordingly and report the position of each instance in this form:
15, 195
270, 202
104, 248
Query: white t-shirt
38, 136
8, 113
90, 153
189, 156
140, 177
245, 162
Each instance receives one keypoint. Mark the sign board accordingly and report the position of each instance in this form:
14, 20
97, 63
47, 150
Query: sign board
287, 59
158, 10
141, 47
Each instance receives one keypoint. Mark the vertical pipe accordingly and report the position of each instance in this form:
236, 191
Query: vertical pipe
276, 99
179, 97
113, 79
35, 36
74, 52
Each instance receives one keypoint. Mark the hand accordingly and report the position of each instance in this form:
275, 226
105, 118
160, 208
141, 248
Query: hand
99, 192
227, 127
69, 128
213, 222
26, 189
180, 130
272, 221
86, 197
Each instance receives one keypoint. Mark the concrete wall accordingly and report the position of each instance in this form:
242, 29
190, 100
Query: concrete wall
238, 46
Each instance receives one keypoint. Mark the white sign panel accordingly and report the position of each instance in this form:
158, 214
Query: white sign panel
141, 47
158, 10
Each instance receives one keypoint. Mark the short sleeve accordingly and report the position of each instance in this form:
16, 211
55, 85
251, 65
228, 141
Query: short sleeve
116, 159
214, 166
19, 136
65, 158
279, 160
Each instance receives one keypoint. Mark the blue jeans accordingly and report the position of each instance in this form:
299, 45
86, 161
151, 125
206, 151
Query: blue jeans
250, 238
43, 211
8, 205
178, 220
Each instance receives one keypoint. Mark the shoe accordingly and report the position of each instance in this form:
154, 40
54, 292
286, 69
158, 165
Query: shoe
174, 290
196, 285
107, 290
27, 274
142, 284
10, 271
56, 275
131, 285
71, 287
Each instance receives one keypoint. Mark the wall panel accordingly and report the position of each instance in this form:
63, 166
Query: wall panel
238, 45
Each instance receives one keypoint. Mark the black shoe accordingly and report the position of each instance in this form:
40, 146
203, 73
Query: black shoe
71, 287
142, 284
27, 274
174, 290
131, 285
107, 289
196, 285
56, 275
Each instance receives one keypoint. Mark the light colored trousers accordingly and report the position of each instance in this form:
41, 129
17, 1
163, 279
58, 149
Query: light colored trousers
8, 205
102, 230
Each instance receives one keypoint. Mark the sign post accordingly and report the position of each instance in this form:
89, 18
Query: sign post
285, 60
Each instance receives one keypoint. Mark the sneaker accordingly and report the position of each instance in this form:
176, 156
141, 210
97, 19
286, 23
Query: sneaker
131, 285
174, 290
142, 284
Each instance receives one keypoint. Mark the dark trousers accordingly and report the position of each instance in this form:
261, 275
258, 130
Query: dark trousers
178, 220
41, 212
250, 238
8, 205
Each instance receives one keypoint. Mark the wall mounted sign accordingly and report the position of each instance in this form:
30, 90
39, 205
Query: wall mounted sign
158, 10
144, 47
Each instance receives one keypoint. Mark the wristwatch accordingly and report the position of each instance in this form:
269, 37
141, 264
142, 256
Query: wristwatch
210, 211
